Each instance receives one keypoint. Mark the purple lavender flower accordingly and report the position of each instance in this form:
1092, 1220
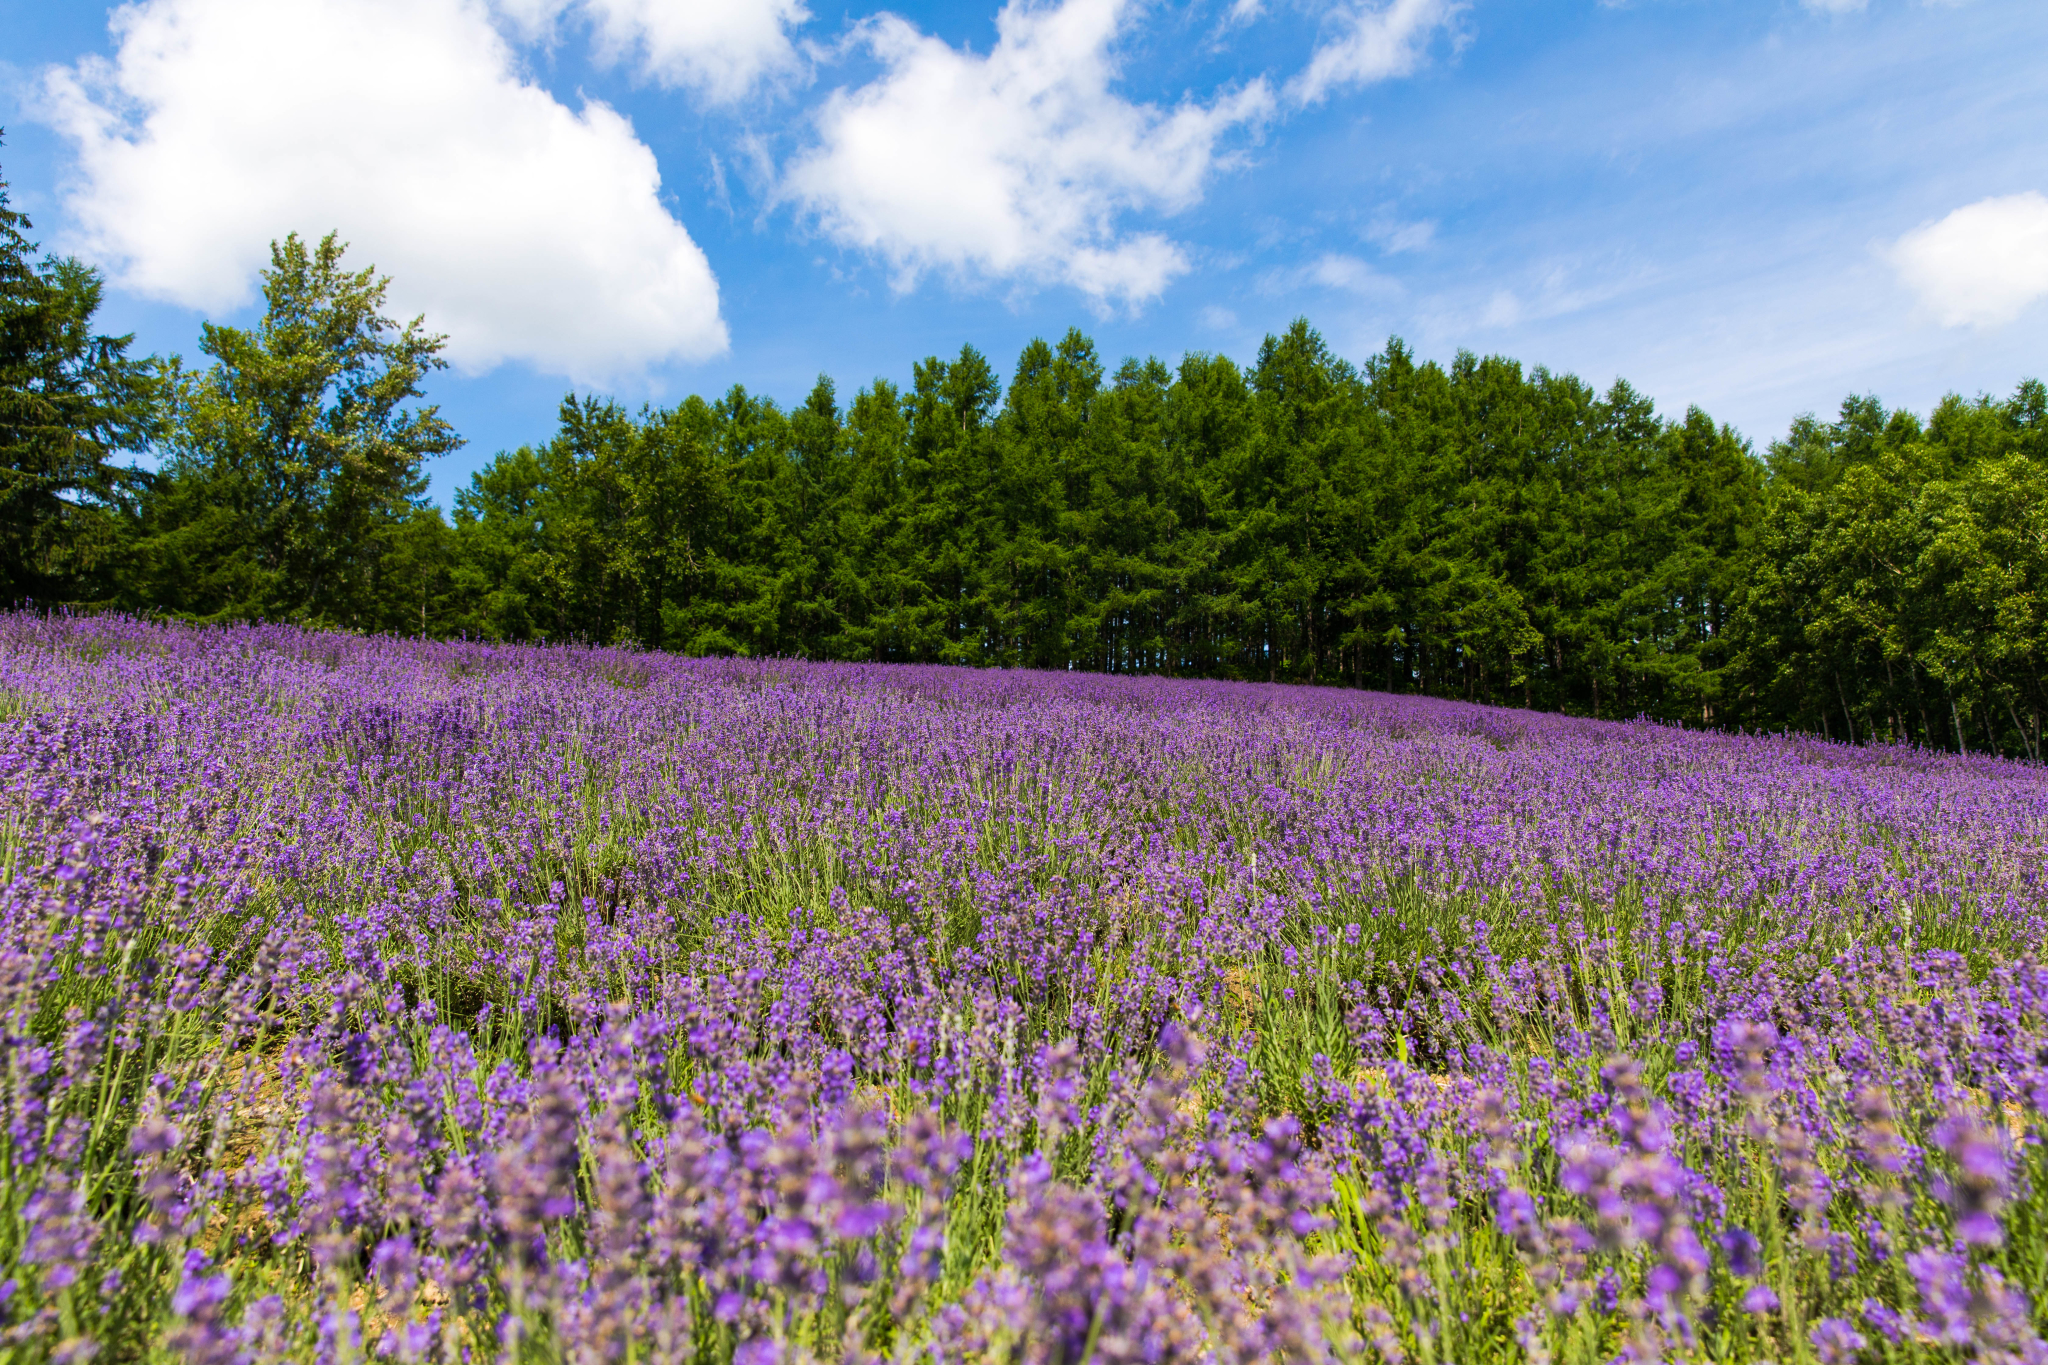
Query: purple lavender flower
1514, 1214
552, 1000
1744, 1253
1945, 1294
202, 1336
1885, 1321
1836, 1341
1978, 1190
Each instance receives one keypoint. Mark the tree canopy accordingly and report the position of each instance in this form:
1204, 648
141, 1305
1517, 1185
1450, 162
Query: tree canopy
1478, 529
71, 400
293, 477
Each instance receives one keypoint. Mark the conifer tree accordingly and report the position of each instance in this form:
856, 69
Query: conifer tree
295, 475
71, 399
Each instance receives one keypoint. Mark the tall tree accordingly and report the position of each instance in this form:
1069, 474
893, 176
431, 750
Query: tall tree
1898, 584
70, 400
295, 472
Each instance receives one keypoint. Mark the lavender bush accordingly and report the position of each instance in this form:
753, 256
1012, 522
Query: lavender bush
378, 999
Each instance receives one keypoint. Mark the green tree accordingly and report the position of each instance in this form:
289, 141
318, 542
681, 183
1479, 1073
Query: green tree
1983, 575
1476, 530
70, 400
1694, 513
294, 480
821, 472
1897, 583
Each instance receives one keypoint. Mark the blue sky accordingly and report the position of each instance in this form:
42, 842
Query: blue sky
1752, 207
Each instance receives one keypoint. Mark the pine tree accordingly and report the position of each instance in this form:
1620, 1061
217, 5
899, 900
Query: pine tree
295, 473
70, 400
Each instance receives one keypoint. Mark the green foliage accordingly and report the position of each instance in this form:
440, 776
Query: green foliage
70, 399
293, 481
1899, 584
1476, 530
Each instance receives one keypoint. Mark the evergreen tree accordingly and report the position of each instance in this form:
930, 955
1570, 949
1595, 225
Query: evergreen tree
294, 480
1475, 530
70, 399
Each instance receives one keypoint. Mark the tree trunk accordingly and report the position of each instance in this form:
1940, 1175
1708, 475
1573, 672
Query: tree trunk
2025, 743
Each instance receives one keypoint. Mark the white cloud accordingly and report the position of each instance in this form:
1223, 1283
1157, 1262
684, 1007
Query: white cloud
1502, 310
1216, 318
1331, 272
1541, 292
1014, 165
524, 230
1373, 44
1394, 238
718, 48
1836, 6
1335, 271
1983, 264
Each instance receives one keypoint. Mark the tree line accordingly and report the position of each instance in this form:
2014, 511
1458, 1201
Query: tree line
1477, 530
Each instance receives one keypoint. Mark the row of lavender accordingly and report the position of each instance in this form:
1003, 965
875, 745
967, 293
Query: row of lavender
440, 1001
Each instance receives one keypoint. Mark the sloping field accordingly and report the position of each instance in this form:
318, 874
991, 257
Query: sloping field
443, 1001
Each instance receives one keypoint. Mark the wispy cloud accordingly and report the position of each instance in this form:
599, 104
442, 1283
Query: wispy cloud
1332, 271
1372, 43
1395, 237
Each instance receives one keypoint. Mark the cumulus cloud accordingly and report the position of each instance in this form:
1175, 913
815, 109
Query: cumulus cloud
1372, 43
1019, 164
1983, 264
523, 229
718, 48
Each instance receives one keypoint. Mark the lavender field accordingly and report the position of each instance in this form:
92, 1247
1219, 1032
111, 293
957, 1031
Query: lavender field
381, 999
